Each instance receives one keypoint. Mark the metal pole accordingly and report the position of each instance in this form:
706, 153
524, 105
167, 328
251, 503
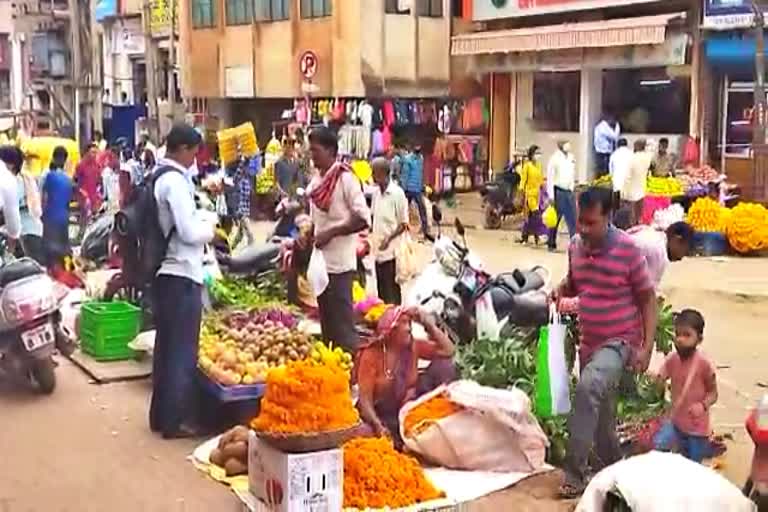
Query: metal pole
151, 73
77, 70
760, 106
172, 62
96, 71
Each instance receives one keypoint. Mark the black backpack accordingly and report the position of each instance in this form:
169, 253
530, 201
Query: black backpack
141, 241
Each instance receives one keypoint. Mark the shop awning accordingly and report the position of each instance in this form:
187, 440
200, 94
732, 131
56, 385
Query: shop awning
642, 30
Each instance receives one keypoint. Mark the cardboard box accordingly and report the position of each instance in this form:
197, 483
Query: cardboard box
295, 482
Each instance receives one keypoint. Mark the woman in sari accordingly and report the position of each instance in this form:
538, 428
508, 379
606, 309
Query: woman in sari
387, 369
531, 185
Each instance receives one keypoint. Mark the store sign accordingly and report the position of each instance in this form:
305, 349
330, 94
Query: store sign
238, 82
160, 17
727, 14
483, 10
127, 37
105, 9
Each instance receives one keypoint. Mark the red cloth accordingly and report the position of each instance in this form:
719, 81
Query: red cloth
88, 177
322, 194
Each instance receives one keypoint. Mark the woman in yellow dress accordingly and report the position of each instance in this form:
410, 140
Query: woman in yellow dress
532, 188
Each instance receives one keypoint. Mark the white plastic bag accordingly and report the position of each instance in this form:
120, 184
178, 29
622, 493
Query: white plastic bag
495, 431
317, 272
553, 397
405, 259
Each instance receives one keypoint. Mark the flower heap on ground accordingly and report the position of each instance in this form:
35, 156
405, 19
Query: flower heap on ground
305, 397
428, 412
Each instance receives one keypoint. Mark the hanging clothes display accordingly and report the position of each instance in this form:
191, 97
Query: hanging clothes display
354, 141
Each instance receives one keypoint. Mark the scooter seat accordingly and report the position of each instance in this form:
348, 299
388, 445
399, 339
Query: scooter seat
255, 259
19, 269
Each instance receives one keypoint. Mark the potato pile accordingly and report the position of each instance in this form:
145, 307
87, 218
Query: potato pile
240, 348
232, 452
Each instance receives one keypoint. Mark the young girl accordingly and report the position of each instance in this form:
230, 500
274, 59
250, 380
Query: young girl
694, 390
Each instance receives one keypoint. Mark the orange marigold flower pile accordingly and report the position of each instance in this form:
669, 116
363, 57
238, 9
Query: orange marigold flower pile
378, 476
304, 398
426, 413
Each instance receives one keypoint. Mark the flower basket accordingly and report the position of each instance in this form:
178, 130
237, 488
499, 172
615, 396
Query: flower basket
310, 441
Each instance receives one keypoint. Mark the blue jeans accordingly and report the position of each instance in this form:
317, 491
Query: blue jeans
418, 198
565, 205
178, 309
692, 447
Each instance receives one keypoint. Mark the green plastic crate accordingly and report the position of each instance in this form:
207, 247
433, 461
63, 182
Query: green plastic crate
106, 329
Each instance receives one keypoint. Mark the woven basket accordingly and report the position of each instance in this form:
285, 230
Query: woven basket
309, 442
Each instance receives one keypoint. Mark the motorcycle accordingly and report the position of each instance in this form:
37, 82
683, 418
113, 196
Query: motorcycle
472, 304
499, 196
756, 487
30, 321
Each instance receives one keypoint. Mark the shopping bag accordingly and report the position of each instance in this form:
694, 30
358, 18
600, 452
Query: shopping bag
317, 273
493, 430
405, 259
553, 396
550, 217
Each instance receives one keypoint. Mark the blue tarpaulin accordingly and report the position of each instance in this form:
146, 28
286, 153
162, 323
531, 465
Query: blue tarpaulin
733, 52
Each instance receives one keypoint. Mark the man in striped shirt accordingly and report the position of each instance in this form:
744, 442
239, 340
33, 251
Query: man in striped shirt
617, 316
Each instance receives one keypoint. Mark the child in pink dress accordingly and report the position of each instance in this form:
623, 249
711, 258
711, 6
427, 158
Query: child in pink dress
694, 390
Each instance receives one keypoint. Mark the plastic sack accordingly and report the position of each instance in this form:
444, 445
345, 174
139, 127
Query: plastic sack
664, 482
495, 431
553, 396
405, 259
549, 217
317, 272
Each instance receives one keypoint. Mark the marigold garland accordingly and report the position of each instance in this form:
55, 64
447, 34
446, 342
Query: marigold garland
428, 412
377, 476
306, 398
708, 215
748, 228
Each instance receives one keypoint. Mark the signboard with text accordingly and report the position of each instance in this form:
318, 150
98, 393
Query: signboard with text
727, 14
160, 17
483, 10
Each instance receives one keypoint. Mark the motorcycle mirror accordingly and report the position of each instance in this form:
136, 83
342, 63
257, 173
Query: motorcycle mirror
459, 227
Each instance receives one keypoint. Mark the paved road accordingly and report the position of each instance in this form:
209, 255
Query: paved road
87, 447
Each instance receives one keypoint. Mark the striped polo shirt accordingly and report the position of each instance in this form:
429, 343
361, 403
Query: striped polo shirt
608, 282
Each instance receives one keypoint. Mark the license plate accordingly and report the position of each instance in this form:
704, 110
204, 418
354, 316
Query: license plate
38, 337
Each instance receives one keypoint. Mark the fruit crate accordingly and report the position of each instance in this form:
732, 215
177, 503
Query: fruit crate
106, 329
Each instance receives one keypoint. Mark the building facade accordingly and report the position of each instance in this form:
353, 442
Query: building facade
558, 66
240, 56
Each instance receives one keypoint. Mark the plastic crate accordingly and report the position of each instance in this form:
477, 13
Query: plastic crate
710, 243
231, 393
106, 328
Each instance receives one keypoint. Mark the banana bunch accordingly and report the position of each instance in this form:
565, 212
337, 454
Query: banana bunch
664, 187
329, 355
602, 181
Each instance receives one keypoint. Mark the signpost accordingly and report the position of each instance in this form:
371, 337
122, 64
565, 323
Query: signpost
308, 64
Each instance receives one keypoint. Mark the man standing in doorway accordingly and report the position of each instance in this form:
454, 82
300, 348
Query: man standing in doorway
390, 221
412, 181
606, 137
663, 164
617, 315
178, 290
339, 212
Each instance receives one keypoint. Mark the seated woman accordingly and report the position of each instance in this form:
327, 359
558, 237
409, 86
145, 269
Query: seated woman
387, 368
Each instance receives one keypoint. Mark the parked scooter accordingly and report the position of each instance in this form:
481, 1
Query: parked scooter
29, 324
756, 487
471, 303
499, 196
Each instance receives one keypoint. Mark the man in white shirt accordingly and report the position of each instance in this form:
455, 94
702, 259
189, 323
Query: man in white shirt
618, 167
561, 182
390, 221
178, 288
339, 212
9, 205
606, 137
633, 192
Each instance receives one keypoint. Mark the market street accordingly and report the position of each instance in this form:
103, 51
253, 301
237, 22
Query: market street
88, 448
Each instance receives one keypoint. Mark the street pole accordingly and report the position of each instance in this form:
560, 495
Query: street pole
96, 73
172, 62
77, 65
151, 73
758, 134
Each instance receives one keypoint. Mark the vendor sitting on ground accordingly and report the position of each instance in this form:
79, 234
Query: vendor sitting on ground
387, 367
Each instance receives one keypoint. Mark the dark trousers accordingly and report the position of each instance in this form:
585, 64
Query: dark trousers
55, 240
418, 198
602, 163
565, 205
593, 419
337, 318
389, 290
178, 309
